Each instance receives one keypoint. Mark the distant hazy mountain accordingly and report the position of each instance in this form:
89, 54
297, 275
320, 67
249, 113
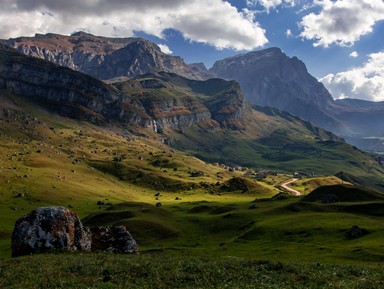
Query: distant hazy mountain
103, 57
360, 104
271, 78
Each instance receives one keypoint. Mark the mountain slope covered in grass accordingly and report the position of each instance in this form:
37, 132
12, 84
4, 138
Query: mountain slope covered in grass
48, 159
262, 138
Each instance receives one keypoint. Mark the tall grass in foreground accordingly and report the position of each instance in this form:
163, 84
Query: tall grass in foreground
159, 270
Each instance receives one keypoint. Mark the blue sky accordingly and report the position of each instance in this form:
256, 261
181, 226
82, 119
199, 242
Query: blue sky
340, 41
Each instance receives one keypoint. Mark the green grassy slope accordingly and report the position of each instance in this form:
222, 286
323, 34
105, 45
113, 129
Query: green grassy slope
288, 229
282, 143
49, 160
344, 193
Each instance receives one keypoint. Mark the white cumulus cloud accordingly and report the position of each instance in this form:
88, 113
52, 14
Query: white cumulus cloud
165, 49
272, 4
214, 22
341, 22
354, 54
365, 82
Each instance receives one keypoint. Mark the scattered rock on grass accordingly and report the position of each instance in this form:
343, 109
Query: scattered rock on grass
195, 174
355, 232
113, 239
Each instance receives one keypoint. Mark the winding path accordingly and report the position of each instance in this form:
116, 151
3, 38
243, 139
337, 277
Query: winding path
286, 184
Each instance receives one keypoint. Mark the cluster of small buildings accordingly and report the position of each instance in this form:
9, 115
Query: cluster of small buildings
250, 173
231, 169
260, 174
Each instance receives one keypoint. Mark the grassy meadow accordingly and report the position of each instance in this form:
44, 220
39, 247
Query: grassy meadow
164, 271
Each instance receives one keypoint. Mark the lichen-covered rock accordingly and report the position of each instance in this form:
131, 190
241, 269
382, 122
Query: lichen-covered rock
113, 239
49, 228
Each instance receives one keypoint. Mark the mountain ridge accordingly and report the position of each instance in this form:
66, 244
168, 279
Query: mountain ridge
103, 57
81, 96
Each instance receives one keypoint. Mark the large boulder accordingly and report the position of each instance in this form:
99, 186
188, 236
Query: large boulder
113, 239
49, 228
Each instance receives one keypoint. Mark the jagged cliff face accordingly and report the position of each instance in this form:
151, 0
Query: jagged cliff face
226, 103
270, 78
174, 101
148, 102
102, 57
59, 88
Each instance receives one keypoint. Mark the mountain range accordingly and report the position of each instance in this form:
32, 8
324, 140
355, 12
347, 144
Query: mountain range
268, 78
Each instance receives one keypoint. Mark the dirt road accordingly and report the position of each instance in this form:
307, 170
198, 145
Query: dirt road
286, 184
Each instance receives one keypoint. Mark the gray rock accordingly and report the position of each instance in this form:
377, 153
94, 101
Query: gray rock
49, 228
113, 239
355, 232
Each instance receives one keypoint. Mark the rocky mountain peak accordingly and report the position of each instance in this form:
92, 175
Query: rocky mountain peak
199, 66
103, 57
270, 78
